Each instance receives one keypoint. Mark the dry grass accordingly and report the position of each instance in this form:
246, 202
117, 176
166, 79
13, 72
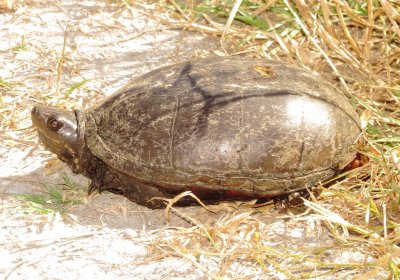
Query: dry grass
356, 46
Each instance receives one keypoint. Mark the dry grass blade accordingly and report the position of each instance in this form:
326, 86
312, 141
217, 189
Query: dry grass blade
174, 200
392, 14
346, 31
61, 60
368, 43
327, 20
179, 9
232, 15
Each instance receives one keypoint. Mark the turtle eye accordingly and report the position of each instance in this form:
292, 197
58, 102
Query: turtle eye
53, 124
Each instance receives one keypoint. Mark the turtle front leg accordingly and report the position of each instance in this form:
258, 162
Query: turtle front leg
132, 188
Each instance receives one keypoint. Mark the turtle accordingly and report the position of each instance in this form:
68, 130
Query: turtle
224, 128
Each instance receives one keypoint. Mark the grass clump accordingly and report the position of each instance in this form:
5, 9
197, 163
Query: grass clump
57, 197
21, 46
4, 83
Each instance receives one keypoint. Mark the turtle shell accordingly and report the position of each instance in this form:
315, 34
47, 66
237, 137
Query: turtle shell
254, 126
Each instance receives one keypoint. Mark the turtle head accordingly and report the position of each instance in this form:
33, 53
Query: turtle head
58, 131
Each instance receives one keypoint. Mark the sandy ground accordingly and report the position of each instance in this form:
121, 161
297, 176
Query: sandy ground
107, 236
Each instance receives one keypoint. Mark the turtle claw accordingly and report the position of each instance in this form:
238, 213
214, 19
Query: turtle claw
93, 187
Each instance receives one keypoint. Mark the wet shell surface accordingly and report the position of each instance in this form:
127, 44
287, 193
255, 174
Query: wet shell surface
252, 126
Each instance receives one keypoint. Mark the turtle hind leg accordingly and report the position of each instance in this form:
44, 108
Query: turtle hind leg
146, 195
